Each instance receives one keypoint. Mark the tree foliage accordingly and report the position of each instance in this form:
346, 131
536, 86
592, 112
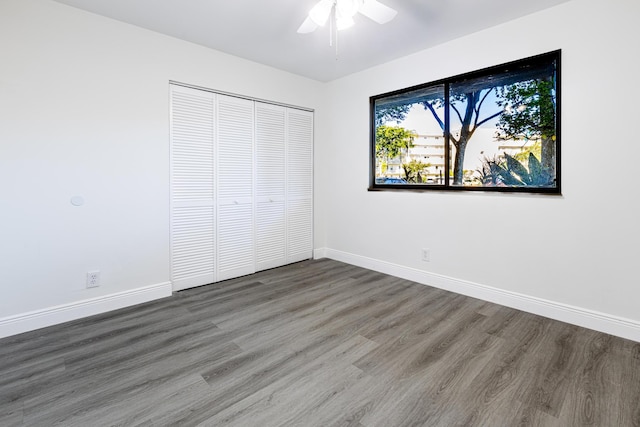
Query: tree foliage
529, 110
394, 113
390, 140
413, 171
530, 113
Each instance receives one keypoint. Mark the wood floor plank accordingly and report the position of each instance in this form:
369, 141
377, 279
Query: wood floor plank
551, 372
605, 389
19, 384
294, 396
318, 343
11, 414
430, 396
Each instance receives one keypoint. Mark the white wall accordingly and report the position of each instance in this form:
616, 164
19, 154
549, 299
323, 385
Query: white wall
553, 255
84, 112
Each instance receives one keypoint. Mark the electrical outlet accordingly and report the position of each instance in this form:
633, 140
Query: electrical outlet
426, 255
93, 279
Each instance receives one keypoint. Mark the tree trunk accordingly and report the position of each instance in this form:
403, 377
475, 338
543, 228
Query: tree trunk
548, 156
465, 134
547, 112
458, 163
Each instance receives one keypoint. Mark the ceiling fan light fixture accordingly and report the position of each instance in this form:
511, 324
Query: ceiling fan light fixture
344, 11
319, 14
347, 8
340, 14
344, 23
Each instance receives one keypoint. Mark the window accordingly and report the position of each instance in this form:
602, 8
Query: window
495, 129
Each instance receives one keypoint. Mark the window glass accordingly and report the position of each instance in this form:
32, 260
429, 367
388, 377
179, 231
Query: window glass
409, 137
494, 129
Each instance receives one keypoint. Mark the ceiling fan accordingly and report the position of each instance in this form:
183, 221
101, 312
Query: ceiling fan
342, 13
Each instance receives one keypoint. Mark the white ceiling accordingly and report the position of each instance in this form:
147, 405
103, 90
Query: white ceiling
265, 30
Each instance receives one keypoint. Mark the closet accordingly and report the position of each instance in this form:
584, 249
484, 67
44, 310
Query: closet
241, 186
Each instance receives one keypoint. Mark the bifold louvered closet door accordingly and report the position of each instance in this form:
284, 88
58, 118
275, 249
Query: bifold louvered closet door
241, 186
193, 233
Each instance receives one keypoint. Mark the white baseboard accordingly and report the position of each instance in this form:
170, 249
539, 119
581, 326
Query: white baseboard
33, 320
614, 325
320, 253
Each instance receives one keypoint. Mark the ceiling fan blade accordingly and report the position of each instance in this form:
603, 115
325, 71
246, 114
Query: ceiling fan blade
308, 26
377, 11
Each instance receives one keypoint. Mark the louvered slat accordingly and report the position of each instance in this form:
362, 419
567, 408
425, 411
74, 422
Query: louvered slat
235, 147
235, 184
192, 188
270, 150
270, 186
299, 230
300, 154
299, 185
270, 235
235, 241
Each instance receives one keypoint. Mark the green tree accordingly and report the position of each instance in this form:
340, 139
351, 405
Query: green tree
413, 171
530, 113
391, 140
394, 113
466, 106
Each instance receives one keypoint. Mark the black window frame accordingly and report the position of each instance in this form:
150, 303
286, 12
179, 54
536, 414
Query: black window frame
533, 61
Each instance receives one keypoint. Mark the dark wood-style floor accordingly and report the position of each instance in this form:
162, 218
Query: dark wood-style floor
318, 343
